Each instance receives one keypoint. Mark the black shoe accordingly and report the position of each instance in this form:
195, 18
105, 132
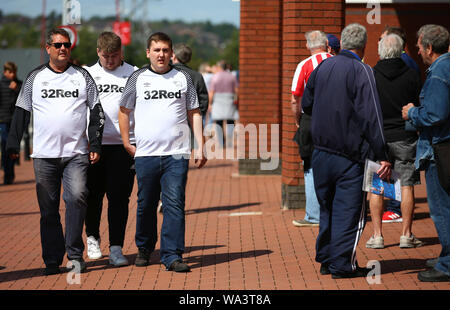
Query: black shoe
8, 181
324, 269
433, 275
51, 269
179, 266
78, 265
430, 263
142, 258
358, 273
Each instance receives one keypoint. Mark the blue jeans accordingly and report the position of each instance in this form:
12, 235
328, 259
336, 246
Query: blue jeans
7, 162
439, 204
312, 208
168, 176
49, 173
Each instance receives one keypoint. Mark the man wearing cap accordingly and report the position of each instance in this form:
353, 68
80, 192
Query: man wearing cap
334, 46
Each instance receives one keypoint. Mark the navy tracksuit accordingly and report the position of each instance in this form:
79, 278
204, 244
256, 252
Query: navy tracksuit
346, 128
338, 183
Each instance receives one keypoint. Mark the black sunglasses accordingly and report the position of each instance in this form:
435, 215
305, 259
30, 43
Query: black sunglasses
59, 44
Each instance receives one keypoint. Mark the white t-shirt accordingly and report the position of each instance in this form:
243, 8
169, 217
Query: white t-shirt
160, 103
59, 102
110, 86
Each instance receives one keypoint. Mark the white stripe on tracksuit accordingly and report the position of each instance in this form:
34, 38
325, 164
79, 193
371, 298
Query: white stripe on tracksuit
361, 224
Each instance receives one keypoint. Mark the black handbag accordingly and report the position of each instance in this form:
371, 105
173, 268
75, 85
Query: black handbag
442, 158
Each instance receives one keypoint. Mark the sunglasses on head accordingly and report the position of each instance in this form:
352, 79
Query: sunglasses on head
59, 44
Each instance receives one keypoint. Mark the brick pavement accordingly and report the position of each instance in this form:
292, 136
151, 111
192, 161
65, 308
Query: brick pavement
237, 238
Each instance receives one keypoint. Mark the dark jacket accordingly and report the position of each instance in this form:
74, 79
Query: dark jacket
199, 84
304, 140
8, 99
410, 62
342, 98
397, 85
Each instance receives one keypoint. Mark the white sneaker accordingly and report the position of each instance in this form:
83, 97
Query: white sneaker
410, 242
93, 248
375, 242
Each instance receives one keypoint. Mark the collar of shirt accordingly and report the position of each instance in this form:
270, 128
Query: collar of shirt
434, 64
357, 57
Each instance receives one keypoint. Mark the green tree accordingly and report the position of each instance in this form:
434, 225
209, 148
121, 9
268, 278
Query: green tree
86, 50
231, 51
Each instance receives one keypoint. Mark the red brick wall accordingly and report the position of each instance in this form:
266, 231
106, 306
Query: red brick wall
272, 43
300, 16
260, 63
410, 17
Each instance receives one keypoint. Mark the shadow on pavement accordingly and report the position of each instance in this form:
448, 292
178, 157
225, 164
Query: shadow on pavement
18, 214
222, 208
214, 259
413, 265
102, 264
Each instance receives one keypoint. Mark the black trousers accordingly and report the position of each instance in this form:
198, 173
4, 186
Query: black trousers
112, 175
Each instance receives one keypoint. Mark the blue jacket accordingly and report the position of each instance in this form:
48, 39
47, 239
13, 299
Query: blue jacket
432, 117
410, 62
342, 98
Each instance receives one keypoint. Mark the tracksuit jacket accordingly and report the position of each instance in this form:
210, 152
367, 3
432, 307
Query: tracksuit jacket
348, 121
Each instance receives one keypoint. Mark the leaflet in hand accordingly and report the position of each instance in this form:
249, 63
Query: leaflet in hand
374, 184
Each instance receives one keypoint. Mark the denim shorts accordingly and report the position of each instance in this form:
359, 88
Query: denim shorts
403, 154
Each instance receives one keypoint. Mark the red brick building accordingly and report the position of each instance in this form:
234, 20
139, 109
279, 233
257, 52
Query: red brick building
272, 43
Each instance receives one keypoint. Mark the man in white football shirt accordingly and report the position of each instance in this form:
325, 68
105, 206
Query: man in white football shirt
165, 103
113, 174
59, 94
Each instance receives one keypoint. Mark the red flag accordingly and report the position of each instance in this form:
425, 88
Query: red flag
123, 30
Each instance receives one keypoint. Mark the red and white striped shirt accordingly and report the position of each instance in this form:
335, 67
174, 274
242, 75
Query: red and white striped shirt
304, 70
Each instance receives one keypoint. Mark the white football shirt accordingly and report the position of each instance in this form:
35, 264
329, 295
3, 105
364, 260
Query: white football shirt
59, 102
110, 86
160, 103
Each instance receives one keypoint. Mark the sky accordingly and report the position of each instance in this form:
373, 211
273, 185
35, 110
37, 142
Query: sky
216, 11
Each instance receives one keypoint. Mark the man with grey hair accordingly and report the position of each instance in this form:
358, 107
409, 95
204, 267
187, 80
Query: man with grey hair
316, 39
347, 129
316, 42
404, 56
397, 84
432, 118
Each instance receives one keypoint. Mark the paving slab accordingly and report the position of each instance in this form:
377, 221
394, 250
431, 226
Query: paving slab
237, 238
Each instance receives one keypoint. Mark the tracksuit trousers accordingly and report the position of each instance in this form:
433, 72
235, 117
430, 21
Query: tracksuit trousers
338, 183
